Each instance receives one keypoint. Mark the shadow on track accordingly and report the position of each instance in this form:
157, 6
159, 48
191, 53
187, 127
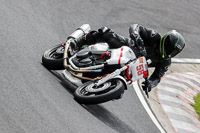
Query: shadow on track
66, 84
108, 118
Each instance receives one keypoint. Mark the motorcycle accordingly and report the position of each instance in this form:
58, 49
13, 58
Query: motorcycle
102, 74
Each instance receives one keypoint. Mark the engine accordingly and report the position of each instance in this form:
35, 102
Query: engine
86, 59
82, 59
90, 55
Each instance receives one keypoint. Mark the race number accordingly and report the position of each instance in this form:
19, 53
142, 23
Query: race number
140, 70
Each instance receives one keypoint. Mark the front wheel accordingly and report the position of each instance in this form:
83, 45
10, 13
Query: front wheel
89, 94
53, 57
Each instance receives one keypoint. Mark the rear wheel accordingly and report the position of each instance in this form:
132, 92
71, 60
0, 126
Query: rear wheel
89, 94
53, 57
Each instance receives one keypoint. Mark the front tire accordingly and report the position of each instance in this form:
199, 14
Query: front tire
53, 58
115, 90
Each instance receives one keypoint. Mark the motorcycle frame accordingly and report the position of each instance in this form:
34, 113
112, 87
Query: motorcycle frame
137, 67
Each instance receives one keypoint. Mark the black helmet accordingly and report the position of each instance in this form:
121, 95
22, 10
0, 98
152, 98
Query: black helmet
171, 44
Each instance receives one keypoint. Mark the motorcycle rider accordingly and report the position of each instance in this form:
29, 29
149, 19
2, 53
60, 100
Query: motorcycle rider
159, 49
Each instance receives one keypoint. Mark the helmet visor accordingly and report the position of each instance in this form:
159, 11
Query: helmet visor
176, 51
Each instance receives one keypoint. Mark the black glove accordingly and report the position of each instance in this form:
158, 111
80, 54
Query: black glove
147, 85
139, 44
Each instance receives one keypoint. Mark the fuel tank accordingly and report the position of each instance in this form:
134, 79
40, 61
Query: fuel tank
121, 55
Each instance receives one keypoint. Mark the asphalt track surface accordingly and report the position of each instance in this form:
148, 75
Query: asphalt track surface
34, 100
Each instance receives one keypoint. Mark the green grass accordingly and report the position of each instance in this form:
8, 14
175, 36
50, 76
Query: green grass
197, 104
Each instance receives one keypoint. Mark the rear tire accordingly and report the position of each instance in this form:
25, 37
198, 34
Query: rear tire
53, 60
82, 96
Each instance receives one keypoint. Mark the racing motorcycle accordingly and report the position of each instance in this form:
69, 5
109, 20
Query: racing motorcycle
101, 74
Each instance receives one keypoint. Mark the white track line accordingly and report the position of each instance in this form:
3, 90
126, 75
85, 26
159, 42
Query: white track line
147, 108
186, 60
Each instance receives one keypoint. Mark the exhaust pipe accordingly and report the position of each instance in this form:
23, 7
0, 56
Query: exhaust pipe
84, 29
